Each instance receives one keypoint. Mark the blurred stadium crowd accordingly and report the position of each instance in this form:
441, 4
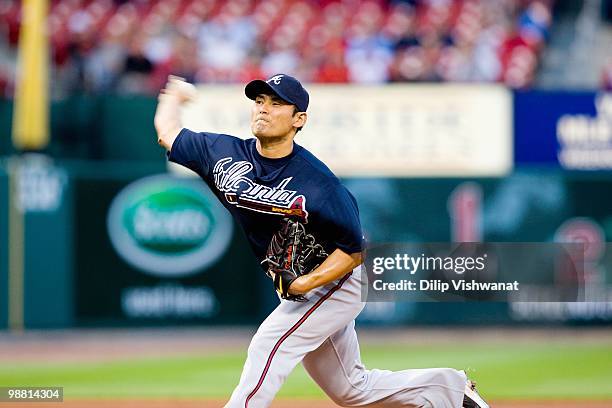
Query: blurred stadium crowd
100, 46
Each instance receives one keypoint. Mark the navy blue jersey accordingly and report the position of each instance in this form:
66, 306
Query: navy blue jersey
259, 191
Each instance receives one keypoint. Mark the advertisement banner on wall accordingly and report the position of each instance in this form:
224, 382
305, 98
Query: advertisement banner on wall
157, 250
528, 209
572, 130
35, 243
386, 131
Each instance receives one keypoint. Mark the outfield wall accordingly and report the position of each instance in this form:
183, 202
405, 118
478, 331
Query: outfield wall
106, 245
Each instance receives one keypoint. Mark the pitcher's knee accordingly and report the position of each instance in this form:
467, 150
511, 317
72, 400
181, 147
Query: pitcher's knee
347, 396
449, 375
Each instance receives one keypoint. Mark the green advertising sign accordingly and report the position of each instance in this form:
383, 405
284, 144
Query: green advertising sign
167, 226
157, 249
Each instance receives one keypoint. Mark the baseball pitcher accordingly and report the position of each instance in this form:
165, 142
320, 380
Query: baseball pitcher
303, 226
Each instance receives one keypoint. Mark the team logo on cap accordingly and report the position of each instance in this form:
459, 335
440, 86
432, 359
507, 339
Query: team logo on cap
276, 79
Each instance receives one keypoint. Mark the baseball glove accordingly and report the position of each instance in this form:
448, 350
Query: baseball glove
292, 253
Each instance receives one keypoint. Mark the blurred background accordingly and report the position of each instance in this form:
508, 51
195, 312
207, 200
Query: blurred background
449, 120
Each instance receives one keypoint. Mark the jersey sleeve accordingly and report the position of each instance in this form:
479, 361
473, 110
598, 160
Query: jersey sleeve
193, 150
340, 216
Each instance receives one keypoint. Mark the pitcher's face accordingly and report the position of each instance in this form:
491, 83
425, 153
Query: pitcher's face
272, 117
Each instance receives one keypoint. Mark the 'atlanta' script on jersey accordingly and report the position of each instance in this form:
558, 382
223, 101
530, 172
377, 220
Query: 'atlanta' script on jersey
231, 179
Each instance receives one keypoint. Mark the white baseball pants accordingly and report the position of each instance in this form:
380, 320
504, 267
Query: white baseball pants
321, 334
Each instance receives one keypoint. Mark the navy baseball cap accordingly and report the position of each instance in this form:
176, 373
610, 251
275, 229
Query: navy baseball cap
284, 86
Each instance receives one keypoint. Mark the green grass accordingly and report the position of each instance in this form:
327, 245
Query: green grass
503, 371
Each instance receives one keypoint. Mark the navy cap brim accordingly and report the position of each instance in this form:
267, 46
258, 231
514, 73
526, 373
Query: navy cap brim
259, 87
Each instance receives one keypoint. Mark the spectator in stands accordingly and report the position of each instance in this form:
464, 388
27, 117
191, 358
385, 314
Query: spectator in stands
534, 23
80, 49
282, 54
107, 61
455, 63
137, 68
408, 65
368, 53
182, 61
399, 28
333, 69
226, 40
487, 65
